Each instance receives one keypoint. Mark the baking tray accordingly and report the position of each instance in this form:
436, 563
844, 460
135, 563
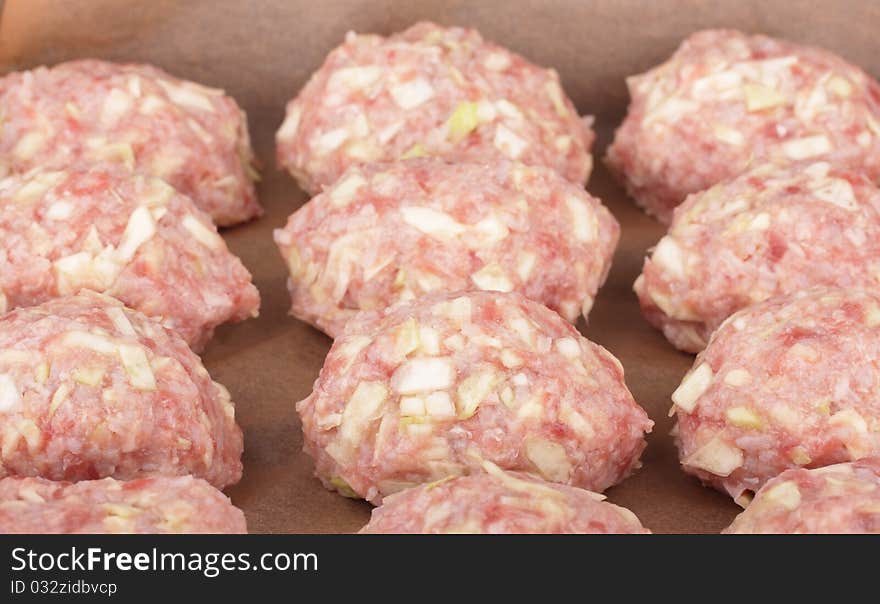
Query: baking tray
261, 52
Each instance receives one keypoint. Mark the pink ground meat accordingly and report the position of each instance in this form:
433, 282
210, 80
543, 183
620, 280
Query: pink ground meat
138, 116
386, 233
91, 389
767, 232
787, 383
147, 505
127, 235
727, 101
843, 498
430, 91
432, 388
499, 502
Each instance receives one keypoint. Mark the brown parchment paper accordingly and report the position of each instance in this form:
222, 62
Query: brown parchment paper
261, 52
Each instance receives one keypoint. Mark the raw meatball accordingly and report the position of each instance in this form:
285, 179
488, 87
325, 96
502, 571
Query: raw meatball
194, 137
431, 91
391, 232
793, 381
430, 389
843, 498
499, 502
127, 235
147, 505
89, 389
726, 101
770, 231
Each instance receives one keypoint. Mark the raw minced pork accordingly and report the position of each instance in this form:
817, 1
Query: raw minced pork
843, 498
146, 505
499, 502
727, 101
430, 91
432, 388
767, 232
137, 116
130, 236
789, 382
386, 233
90, 389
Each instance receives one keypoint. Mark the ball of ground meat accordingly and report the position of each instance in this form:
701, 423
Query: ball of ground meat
136, 116
499, 502
127, 235
727, 101
386, 233
430, 91
790, 382
432, 388
91, 389
843, 498
768, 232
147, 505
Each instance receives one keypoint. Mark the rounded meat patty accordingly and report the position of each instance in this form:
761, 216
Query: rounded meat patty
130, 236
138, 116
386, 233
727, 101
147, 505
498, 502
90, 389
790, 382
843, 498
430, 91
430, 389
770, 231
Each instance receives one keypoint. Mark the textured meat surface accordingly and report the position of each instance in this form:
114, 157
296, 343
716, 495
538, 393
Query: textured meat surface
770, 231
498, 502
432, 388
790, 382
147, 505
432, 91
194, 137
128, 235
726, 101
386, 233
843, 498
91, 389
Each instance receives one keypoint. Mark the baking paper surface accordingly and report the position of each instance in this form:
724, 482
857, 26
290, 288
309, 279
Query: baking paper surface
262, 52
